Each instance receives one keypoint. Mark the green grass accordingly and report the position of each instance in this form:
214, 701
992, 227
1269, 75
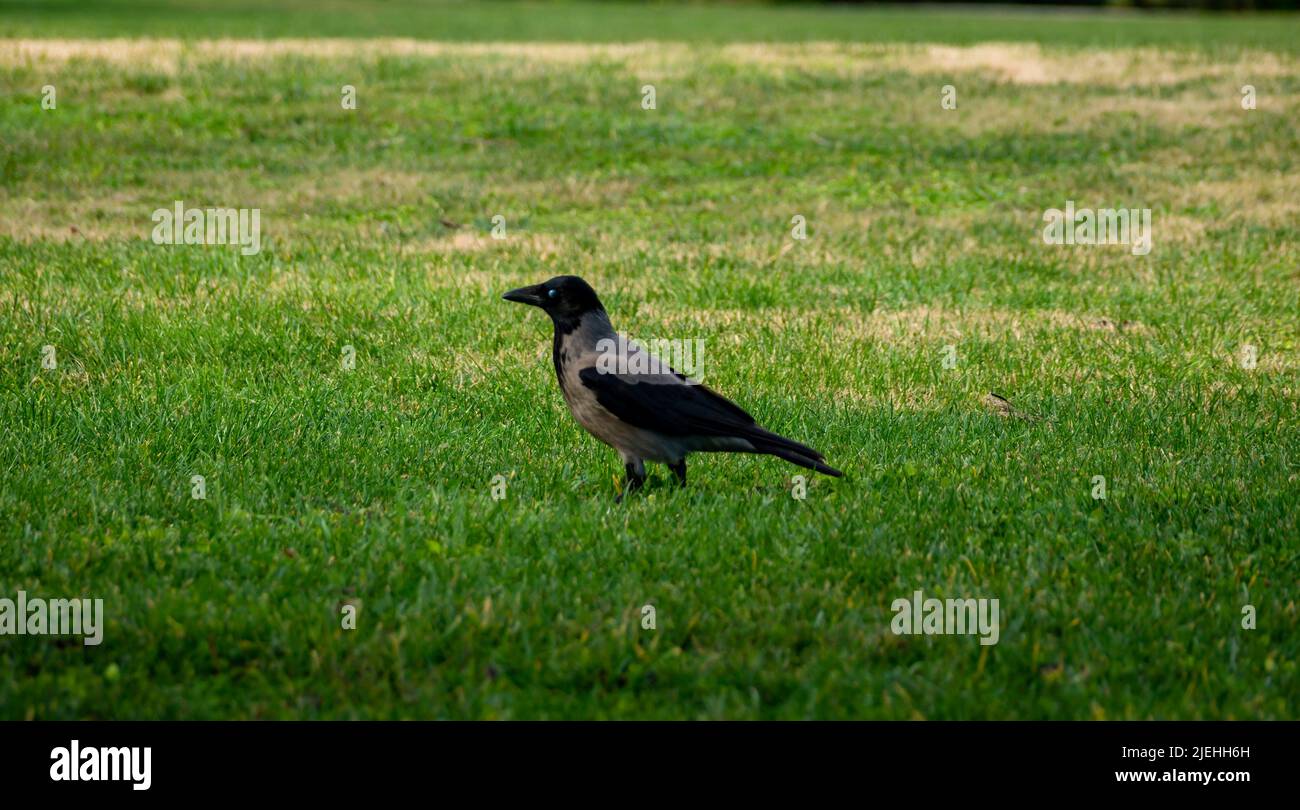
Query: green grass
509, 20
373, 486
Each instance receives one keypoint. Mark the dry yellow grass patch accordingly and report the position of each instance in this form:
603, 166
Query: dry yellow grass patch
1189, 109
1018, 63
545, 246
1255, 197
96, 218
1258, 198
160, 55
1268, 362
168, 55
347, 184
574, 190
896, 327
294, 195
1027, 63
286, 208
926, 323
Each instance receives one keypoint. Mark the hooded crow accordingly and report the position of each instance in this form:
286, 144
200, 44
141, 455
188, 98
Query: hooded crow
642, 408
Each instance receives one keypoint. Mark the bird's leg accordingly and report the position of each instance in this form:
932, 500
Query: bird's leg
679, 470
635, 469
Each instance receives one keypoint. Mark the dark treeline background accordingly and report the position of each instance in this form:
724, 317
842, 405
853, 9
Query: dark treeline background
1217, 5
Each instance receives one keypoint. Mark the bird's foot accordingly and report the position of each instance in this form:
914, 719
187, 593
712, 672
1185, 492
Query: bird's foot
635, 478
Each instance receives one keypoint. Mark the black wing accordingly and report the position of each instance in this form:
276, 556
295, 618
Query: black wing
682, 409
671, 408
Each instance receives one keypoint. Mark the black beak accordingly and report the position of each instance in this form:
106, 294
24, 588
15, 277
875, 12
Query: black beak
526, 295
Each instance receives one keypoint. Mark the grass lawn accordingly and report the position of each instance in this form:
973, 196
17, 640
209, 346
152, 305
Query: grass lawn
372, 487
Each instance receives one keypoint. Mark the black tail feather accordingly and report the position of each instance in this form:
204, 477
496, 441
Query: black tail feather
802, 461
792, 451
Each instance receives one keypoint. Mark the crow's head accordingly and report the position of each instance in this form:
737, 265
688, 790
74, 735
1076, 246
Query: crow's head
563, 297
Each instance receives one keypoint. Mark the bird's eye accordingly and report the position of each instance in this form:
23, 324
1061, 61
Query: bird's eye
552, 293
